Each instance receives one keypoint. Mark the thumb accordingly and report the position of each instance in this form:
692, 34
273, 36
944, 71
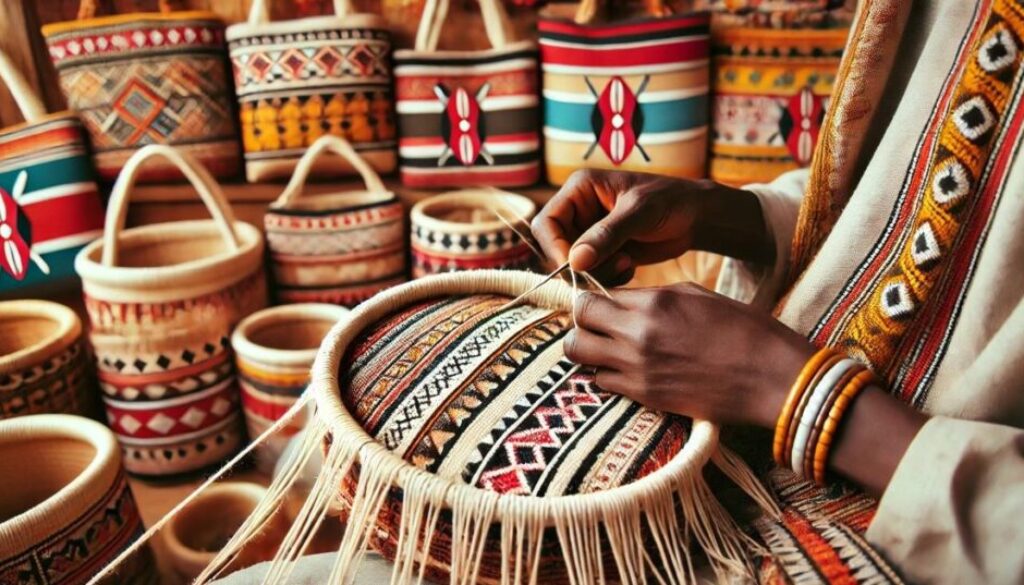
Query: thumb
604, 238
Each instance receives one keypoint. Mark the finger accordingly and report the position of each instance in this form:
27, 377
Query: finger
599, 314
613, 271
606, 236
557, 225
613, 381
590, 349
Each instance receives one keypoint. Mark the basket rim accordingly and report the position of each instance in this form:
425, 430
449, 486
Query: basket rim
247, 490
69, 329
242, 29
335, 202
23, 531
206, 274
479, 198
251, 351
698, 449
513, 47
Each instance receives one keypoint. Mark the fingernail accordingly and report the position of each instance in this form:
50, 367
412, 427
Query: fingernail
582, 257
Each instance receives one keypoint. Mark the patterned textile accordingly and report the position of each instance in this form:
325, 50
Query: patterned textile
299, 80
49, 204
475, 392
468, 119
436, 249
149, 79
901, 304
632, 95
63, 383
168, 381
267, 393
772, 89
83, 545
341, 255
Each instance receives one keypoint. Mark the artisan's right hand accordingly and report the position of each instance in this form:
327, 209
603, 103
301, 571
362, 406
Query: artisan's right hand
610, 222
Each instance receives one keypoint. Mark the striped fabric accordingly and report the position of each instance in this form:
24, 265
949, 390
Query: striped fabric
632, 95
470, 389
468, 119
49, 204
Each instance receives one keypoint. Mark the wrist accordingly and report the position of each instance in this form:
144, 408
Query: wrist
785, 366
730, 222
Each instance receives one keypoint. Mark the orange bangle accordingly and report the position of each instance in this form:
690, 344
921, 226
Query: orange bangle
835, 416
819, 422
798, 412
795, 393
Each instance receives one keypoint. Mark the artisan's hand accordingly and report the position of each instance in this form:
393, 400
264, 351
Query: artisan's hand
686, 350
609, 222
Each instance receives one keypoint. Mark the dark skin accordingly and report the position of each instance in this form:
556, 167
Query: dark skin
640, 341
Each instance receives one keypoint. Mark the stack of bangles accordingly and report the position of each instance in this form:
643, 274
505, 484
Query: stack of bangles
813, 410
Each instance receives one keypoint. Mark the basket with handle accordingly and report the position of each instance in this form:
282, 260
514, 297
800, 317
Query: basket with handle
462, 445
67, 508
50, 206
162, 301
148, 78
301, 79
630, 94
341, 247
467, 118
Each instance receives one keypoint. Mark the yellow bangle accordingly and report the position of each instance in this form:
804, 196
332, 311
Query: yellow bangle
822, 416
835, 416
795, 393
801, 405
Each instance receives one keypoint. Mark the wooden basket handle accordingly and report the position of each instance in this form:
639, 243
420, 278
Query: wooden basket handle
435, 12
200, 179
259, 11
31, 106
324, 144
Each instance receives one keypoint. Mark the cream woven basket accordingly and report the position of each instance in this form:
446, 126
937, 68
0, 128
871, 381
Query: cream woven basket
162, 301
66, 508
637, 532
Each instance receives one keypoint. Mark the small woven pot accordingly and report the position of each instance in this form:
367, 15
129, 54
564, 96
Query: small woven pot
462, 230
339, 248
43, 363
194, 536
162, 301
67, 509
274, 349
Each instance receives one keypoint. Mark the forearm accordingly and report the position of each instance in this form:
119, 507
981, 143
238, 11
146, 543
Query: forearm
731, 223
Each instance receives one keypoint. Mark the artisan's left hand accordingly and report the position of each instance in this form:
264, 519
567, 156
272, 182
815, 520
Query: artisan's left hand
686, 350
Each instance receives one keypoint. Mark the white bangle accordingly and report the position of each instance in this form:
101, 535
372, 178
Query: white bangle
819, 393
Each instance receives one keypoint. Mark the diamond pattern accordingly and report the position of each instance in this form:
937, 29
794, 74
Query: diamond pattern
924, 247
897, 302
974, 118
161, 423
951, 182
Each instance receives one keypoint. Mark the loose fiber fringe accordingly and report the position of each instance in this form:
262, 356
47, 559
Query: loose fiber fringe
673, 518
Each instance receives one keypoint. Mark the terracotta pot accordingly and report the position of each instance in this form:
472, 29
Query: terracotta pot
194, 536
462, 230
66, 508
43, 363
274, 349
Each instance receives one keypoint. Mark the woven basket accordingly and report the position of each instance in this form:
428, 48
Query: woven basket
772, 87
630, 95
467, 118
337, 248
162, 300
463, 231
66, 509
274, 349
487, 368
44, 367
49, 203
149, 78
301, 79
